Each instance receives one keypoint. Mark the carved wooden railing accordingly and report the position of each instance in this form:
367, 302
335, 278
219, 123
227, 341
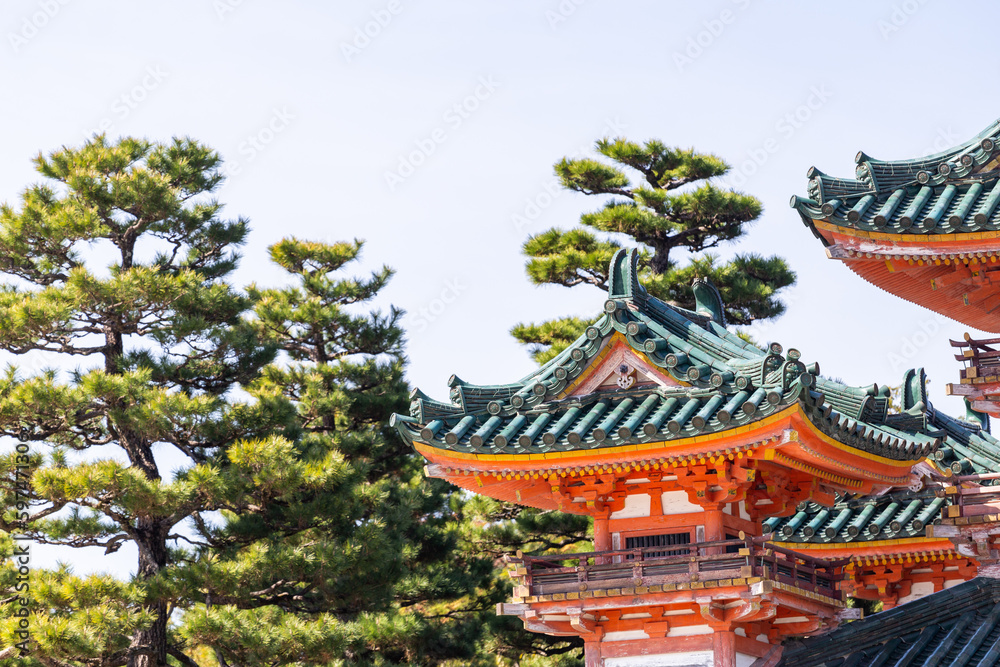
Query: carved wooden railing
675, 564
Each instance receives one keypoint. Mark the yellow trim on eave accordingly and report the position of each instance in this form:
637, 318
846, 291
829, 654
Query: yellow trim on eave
858, 452
880, 236
668, 450
903, 541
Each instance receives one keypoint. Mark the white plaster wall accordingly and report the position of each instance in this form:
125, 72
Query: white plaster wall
624, 635
688, 630
918, 590
789, 619
953, 582
636, 505
677, 502
743, 510
744, 660
692, 659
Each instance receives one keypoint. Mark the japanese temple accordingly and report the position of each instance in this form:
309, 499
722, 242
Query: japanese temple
926, 230
740, 498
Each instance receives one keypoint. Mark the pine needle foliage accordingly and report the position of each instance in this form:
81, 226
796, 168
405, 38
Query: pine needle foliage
298, 529
157, 339
367, 550
662, 200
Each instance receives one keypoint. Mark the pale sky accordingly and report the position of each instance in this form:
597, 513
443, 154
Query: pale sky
430, 129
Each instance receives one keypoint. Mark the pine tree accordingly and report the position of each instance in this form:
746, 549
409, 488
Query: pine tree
370, 572
158, 340
496, 529
299, 529
664, 218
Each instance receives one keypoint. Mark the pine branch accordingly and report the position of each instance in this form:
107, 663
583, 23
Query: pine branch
181, 657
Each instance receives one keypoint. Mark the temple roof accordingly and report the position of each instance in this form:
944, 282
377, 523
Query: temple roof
959, 626
952, 192
721, 383
859, 519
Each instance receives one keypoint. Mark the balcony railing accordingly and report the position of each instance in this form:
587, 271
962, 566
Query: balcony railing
685, 563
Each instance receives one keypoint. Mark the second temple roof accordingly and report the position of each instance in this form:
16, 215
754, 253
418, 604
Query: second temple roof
599, 395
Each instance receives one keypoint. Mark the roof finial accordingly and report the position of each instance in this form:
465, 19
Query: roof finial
623, 277
914, 388
708, 301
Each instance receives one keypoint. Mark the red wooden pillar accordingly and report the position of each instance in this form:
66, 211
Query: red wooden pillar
714, 531
602, 535
724, 646
592, 654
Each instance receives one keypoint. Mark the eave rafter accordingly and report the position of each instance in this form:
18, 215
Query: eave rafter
926, 229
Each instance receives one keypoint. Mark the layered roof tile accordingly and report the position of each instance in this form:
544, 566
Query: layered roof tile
860, 519
956, 627
952, 192
725, 383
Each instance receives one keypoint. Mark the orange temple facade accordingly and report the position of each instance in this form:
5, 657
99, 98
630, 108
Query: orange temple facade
739, 498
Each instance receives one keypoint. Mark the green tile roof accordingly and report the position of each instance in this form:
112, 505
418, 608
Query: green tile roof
945, 193
859, 519
956, 627
732, 383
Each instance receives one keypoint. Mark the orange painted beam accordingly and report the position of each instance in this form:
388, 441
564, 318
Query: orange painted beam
787, 439
878, 549
635, 647
679, 598
750, 646
949, 293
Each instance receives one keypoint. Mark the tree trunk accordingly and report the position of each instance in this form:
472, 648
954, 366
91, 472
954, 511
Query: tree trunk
660, 262
149, 646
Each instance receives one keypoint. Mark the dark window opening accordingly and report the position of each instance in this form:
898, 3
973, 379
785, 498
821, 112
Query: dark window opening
669, 539
732, 548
